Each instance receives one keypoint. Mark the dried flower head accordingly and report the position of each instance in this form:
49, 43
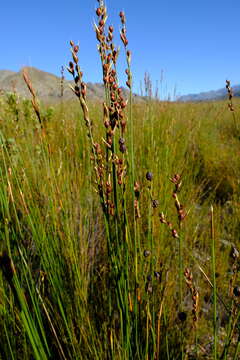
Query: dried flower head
155, 203
149, 176
236, 291
182, 316
147, 253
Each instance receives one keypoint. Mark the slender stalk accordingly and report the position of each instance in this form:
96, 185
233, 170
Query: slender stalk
180, 271
180, 275
237, 349
214, 285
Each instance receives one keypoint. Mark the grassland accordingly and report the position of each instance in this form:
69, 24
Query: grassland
119, 238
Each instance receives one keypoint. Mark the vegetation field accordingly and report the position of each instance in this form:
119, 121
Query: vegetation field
120, 222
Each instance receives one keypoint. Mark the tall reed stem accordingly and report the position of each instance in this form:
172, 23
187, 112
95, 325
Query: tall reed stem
214, 285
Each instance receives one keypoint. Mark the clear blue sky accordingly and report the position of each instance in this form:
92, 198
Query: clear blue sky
194, 42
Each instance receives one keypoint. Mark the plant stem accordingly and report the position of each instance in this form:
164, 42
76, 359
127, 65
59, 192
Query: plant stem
214, 286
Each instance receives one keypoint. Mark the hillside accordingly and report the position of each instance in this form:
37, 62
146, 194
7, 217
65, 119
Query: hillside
47, 85
210, 95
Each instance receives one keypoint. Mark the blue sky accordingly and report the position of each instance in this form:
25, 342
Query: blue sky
194, 43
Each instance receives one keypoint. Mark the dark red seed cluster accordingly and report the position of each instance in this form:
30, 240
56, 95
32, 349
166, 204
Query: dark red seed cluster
176, 180
80, 88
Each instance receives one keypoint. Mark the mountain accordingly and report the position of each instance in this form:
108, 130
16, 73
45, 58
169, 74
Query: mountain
5, 73
47, 86
210, 95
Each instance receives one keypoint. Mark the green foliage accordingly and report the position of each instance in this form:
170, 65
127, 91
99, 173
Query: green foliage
53, 229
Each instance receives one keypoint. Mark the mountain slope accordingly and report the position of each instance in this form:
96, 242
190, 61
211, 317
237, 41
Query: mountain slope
48, 86
5, 73
210, 95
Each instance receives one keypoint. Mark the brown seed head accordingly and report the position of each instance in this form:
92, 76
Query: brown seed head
236, 291
182, 316
105, 68
137, 189
76, 49
106, 124
122, 17
175, 234
123, 125
146, 253
176, 178
234, 253
123, 148
109, 38
108, 188
71, 66
99, 11
129, 57
75, 58
149, 176
111, 80
124, 39
155, 203
76, 79
120, 114
105, 79
121, 141
162, 218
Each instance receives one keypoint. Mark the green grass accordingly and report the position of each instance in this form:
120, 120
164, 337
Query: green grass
53, 229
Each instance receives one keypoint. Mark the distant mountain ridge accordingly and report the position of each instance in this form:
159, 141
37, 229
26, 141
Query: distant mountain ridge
46, 85
210, 95
48, 88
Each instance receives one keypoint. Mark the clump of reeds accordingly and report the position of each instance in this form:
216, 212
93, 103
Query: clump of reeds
109, 161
